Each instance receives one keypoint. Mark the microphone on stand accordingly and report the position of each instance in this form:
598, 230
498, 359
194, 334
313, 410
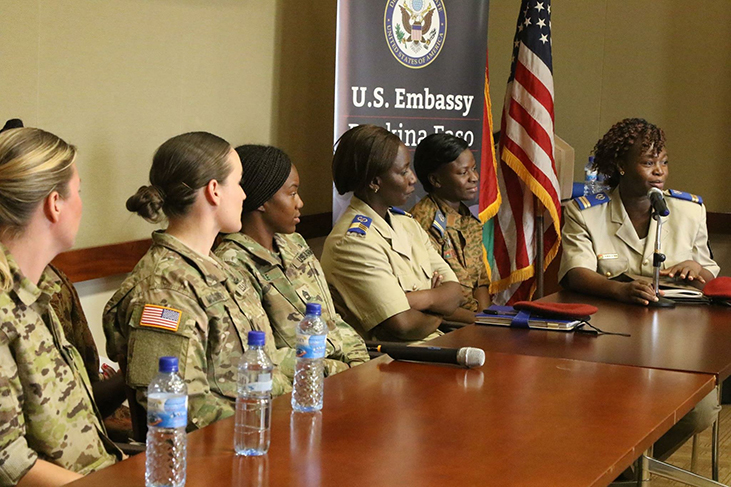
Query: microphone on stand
657, 199
465, 356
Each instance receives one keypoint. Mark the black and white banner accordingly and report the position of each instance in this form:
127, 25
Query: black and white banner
415, 67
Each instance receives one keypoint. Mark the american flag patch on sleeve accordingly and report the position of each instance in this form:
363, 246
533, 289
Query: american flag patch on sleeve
160, 317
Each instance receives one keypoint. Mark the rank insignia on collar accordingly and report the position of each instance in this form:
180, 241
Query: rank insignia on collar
360, 225
398, 211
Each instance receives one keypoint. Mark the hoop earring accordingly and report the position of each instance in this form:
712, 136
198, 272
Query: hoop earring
621, 172
376, 190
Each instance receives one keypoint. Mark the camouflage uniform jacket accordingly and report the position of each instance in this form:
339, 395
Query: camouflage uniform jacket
286, 281
71, 315
457, 236
47, 410
179, 303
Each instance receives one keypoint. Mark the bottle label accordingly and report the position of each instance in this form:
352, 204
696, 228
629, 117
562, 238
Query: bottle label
166, 411
311, 346
263, 383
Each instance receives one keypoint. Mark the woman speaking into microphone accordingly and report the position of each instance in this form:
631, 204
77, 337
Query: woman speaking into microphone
610, 233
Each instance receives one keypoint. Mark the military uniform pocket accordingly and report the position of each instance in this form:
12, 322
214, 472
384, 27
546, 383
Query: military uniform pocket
610, 265
144, 352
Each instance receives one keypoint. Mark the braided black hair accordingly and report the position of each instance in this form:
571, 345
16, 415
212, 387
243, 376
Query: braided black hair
616, 143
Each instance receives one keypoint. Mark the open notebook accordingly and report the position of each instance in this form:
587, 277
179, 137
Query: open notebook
506, 316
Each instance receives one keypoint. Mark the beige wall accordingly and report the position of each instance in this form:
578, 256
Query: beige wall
118, 77
665, 60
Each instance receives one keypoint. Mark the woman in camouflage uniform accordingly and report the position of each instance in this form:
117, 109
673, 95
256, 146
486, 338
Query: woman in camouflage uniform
50, 429
285, 272
180, 299
447, 170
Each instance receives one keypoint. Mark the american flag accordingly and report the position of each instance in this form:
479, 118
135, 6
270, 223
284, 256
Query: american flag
160, 317
526, 173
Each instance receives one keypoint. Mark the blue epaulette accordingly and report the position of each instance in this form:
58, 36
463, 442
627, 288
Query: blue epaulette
440, 222
685, 196
399, 211
584, 202
360, 225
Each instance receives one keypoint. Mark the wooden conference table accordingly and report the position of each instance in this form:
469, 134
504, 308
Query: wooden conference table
518, 420
691, 338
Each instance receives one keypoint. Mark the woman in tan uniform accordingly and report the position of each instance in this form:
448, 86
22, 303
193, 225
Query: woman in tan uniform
611, 233
181, 300
385, 276
51, 432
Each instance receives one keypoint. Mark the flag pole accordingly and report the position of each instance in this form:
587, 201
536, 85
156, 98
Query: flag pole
539, 211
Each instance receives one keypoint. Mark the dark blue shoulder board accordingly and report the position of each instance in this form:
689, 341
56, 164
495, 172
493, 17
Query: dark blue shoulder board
584, 202
674, 193
440, 222
360, 225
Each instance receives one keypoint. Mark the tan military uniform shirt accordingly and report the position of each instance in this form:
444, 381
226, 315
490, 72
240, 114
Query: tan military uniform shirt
602, 238
47, 409
286, 281
210, 310
371, 265
457, 236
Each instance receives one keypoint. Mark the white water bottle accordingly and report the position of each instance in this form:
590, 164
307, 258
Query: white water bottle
252, 433
309, 375
167, 417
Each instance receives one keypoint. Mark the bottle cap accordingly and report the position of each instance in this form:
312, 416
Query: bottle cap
257, 338
168, 364
313, 309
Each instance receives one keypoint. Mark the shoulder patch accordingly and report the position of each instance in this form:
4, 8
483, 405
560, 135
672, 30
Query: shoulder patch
399, 211
440, 222
584, 202
155, 316
674, 193
360, 225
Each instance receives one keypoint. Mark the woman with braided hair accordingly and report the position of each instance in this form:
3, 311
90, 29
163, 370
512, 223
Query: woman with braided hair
608, 234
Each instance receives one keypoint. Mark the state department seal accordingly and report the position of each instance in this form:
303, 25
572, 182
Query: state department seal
415, 30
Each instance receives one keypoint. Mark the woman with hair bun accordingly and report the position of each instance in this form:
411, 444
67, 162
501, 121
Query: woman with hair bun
385, 276
285, 272
50, 433
181, 300
447, 170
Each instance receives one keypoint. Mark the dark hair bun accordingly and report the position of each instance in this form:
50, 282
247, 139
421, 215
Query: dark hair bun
147, 202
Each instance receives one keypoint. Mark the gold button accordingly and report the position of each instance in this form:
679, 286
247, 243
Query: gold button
647, 261
609, 274
413, 288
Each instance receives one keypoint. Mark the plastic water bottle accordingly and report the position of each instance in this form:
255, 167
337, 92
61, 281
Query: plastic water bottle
167, 417
309, 378
252, 433
590, 178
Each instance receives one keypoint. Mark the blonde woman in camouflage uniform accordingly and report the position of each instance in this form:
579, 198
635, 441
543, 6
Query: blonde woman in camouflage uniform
285, 272
50, 429
447, 170
180, 299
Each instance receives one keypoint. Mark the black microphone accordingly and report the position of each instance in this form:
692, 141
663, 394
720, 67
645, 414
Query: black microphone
658, 201
465, 356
